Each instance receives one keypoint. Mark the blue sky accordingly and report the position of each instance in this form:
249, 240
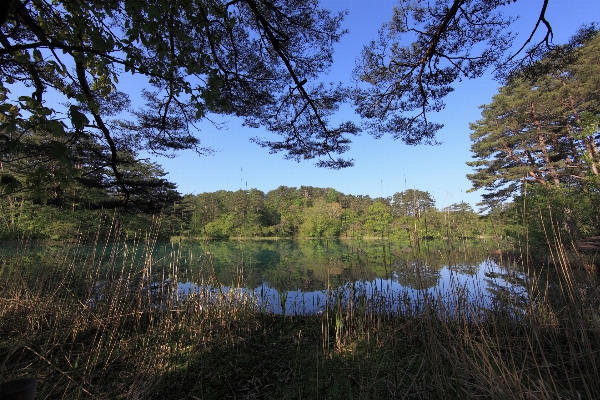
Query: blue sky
384, 166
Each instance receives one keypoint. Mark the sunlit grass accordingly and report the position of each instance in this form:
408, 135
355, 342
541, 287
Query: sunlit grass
91, 329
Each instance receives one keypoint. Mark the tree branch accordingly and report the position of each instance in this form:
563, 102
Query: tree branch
113, 149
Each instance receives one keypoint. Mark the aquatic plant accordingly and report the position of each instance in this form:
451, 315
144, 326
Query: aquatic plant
114, 323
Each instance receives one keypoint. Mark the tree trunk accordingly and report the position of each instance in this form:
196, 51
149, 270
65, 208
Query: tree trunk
543, 147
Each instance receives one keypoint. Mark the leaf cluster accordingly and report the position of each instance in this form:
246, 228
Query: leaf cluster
62, 62
542, 126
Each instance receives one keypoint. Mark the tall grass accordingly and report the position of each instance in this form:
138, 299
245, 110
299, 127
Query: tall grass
91, 328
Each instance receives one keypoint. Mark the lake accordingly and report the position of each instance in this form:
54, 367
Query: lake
292, 277
299, 277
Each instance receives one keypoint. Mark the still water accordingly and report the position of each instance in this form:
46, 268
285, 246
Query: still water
297, 277
289, 277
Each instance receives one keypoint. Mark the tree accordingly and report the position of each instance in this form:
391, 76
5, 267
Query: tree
207, 208
542, 127
249, 58
537, 143
221, 228
412, 203
454, 39
286, 206
322, 220
460, 218
379, 219
36, 170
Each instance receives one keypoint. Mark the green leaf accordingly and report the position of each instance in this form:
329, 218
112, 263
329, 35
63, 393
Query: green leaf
37, 55
93, 106
29, 101
78, 119
44, 111
9, 183
22, 57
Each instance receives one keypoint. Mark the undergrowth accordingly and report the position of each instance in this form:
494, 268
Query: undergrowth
88, 329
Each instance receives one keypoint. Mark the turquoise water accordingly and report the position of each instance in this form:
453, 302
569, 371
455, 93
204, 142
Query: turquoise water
298, 277
282, 276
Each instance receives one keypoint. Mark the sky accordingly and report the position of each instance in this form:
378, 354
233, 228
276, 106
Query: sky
382, 166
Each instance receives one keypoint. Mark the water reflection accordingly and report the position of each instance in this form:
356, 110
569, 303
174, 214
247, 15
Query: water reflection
408, 287
295, 277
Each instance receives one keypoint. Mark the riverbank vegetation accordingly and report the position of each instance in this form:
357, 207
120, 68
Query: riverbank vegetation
101, 317
326, 213
92, 330
541, 215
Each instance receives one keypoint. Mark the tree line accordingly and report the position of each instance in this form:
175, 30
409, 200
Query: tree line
311, 212
286, 212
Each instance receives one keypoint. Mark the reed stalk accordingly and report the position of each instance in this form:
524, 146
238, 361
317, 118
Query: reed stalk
112, 323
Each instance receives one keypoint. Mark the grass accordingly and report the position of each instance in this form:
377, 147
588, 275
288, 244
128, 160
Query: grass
137, 342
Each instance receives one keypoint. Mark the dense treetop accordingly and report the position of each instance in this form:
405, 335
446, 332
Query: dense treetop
543, 125
248, 58
326, 213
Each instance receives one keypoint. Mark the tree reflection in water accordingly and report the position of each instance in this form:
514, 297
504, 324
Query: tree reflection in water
303, 277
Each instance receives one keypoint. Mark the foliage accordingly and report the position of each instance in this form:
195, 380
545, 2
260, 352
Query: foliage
537, 143
220, 228
322, 220
71, 169
283, 212
547, 216
325, 213
411, 202
533, 130
254, 59
378, 219
22, 218
453, 39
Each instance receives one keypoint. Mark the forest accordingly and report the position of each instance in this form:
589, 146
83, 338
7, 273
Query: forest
535, 154
310, 212
113, 284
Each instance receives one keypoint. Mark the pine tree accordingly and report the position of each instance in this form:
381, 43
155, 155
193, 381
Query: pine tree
542, 126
